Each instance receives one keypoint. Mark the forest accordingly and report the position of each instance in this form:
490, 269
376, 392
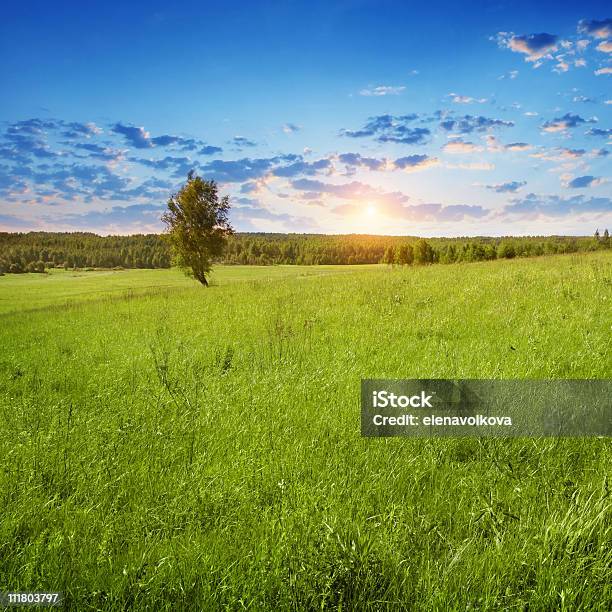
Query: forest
40, 251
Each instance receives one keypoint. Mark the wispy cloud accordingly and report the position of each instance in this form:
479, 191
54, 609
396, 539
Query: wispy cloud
459, 99
534, 205
383, 90
178, 166
392, 204
595, 28
75, 129
559, 154
412, 163
241, 141
356, 160
390, 128
452, 213
291, 128
583, 99
471, 123
101, 152
566, 122
511, 187
606, 132
495, 146
248, 209
210, 150
139, 138
461, 146
304, 168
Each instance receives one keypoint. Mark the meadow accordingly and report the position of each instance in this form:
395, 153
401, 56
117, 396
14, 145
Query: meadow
170, 447
64, 288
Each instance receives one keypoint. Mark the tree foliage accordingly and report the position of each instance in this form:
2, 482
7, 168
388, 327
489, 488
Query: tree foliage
85, 250
81, 250
405, 254
197, 224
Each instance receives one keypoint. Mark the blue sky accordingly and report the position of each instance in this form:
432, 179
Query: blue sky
353, 116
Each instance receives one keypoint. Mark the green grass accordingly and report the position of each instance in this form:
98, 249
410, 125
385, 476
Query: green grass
21, 292
168, 447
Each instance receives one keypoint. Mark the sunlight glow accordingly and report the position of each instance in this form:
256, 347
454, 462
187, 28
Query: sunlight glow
370, 210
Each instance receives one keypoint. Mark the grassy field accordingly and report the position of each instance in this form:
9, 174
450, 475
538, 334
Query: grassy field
68, 288
168, 447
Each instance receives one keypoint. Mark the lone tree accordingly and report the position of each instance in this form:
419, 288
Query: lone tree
197, 225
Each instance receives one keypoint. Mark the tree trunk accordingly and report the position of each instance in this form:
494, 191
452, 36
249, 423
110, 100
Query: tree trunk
202, 278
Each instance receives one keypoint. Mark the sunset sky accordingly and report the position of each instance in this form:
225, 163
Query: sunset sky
433, 119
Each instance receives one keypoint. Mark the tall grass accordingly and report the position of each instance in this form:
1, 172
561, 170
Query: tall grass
200, 449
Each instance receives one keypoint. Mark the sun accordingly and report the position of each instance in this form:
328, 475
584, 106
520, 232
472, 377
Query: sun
370, 210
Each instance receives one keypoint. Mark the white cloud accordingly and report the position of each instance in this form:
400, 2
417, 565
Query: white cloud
509, 75
472, 166
460, 146
605, 46
291, 128
458, 99
382, 90
495, 146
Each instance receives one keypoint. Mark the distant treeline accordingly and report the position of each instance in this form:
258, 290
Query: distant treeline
38, 251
